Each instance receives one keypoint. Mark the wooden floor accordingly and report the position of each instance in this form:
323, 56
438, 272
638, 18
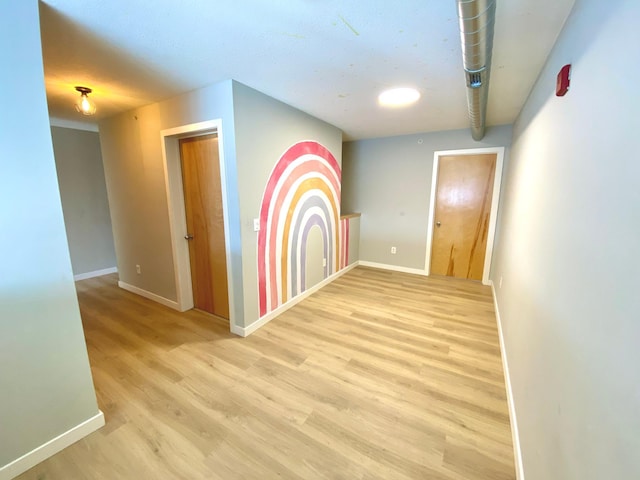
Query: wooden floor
380, 375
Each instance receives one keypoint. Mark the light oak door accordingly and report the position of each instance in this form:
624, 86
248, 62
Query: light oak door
205, 224
461, 218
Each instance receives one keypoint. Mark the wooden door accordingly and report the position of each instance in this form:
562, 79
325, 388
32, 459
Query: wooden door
461, 219
205, 225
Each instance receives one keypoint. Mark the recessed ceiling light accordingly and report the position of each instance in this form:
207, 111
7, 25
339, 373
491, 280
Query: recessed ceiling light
398, 97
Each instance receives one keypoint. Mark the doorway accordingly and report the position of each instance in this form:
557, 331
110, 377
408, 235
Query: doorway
462, 216
171, 146
205, 223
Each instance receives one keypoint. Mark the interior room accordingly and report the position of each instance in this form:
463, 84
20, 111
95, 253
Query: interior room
228, 253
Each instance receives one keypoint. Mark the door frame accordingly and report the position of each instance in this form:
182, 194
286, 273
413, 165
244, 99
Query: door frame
499, 151
177, 215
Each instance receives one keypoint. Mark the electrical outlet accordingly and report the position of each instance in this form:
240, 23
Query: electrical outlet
256, 224
138, 269
393, 250
324, 262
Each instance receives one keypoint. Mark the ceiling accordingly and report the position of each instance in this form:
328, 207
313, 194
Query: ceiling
329, 58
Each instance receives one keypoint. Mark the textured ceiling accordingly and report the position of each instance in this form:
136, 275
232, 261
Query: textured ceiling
328, 58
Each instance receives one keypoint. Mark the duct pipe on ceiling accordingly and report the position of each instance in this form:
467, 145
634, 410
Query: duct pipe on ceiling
477, 18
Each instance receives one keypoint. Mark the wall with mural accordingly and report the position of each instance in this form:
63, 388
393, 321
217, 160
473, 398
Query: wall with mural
349, 239
274, 155
289, 178
303, 192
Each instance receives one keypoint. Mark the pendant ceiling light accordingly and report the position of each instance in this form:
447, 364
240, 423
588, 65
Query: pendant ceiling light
84, 105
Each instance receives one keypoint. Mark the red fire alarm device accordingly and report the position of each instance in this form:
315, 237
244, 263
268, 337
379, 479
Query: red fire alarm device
564, 77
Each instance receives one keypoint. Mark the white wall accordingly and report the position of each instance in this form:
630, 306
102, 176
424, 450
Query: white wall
388, 180
45, 380
567, 251
134, 171
84, 199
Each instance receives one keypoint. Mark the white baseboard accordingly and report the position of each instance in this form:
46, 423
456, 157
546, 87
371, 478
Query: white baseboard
52, 447
507, 381
151, 296
95, 273
248, 330
395, 268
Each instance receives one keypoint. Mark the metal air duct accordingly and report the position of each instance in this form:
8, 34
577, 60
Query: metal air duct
477, 18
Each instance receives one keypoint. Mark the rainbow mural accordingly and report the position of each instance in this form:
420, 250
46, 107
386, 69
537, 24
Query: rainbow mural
303, 191
344, 242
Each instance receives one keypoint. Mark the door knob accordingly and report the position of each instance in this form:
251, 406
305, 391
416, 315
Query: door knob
188, 237
438, 224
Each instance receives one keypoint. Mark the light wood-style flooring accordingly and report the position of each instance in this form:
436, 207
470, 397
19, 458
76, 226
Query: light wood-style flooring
380, 375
